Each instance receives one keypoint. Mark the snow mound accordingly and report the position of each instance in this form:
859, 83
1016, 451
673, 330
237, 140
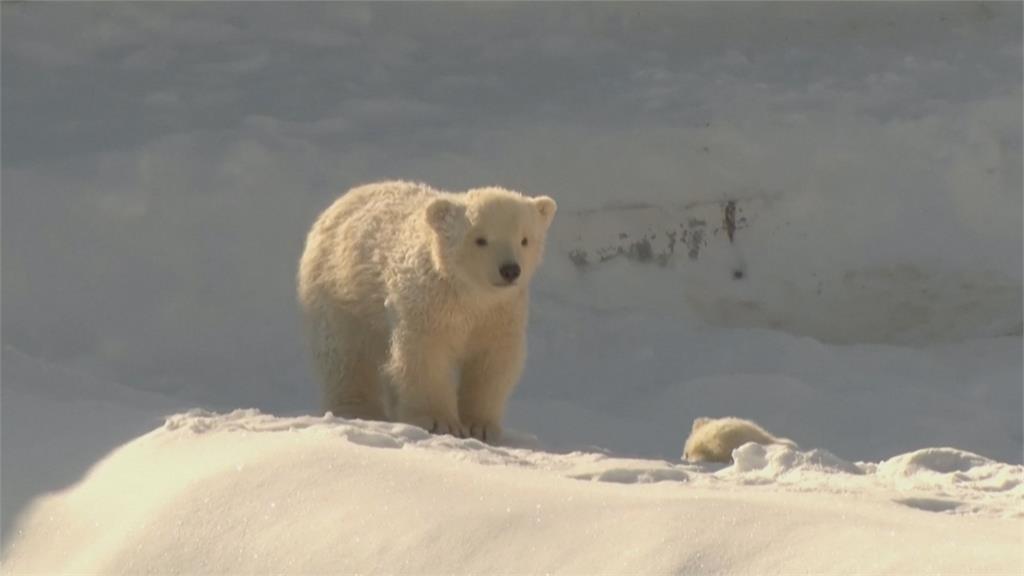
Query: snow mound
934, 460
932, 479
373, 434
775, 460
949, 470
247, 492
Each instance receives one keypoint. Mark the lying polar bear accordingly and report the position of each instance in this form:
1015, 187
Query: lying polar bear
714, 439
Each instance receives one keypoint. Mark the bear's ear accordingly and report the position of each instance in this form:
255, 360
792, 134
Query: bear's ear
445, 216
698, 422
546, 207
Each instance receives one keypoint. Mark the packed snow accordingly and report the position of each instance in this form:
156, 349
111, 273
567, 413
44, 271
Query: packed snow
253, 493
805, 215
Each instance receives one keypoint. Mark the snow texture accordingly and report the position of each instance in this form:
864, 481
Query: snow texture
249, 492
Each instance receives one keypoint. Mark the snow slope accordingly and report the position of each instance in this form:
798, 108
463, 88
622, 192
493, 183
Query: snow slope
250, 493
58, 422
757, 259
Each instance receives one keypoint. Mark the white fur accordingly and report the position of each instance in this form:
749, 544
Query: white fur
714, 439
409, 318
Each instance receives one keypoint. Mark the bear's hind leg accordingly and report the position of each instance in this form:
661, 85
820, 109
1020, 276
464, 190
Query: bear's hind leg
348, 359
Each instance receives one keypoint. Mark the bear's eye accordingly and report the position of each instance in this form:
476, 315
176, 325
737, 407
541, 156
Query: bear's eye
524, 242
481, 241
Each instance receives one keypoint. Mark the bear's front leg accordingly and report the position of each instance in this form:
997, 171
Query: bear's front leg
488, 378
420, 374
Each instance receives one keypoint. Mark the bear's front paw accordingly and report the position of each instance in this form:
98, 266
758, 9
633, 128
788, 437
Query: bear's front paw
436, 424
489, 432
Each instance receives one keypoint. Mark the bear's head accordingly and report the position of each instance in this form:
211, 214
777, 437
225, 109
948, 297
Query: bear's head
490, 238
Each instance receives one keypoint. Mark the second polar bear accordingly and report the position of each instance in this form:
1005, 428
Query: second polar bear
714, 439
416, 302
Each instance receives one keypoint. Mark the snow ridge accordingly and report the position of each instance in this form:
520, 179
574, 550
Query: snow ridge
969, 484
246, 492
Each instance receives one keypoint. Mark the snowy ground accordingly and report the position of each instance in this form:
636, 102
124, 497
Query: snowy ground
161, 164
252, 493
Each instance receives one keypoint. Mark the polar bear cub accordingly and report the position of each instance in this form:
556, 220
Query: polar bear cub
416, 302
714, 439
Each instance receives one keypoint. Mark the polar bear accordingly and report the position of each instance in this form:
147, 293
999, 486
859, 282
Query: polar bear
714, 439
416, 302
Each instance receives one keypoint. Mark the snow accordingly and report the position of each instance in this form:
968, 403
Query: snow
254, 493
637, 380
829, 291
162, 163
57, 423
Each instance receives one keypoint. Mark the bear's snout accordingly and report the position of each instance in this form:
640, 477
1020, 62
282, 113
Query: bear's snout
510, 271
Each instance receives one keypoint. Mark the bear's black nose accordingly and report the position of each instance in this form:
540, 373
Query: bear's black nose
510, 271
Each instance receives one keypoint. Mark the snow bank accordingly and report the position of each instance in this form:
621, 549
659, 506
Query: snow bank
250, 493
780, 268
933, 479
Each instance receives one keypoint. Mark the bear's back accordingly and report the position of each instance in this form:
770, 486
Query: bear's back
376, 206
353, 241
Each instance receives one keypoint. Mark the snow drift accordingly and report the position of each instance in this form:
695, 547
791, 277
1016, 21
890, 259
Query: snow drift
250, 493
